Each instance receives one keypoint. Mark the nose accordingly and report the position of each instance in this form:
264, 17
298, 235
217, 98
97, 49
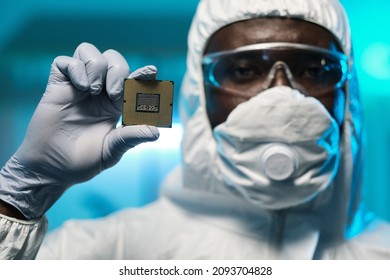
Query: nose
280, 78
279, 75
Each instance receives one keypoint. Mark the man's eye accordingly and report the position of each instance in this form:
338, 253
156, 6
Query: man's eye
243, 73
316, 72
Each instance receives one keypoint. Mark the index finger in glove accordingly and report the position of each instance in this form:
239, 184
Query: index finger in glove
148, 72
95, 64
66, 68
118, 71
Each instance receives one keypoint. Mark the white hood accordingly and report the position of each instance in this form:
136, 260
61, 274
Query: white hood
339, 208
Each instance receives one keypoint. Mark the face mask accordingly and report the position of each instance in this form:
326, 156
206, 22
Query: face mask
279, 149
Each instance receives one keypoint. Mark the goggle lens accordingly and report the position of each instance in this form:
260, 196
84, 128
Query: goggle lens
251, 67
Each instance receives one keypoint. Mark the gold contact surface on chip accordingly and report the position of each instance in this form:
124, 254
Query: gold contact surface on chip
148, 102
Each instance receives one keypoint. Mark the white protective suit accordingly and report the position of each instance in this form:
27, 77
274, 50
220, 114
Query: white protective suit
198, 216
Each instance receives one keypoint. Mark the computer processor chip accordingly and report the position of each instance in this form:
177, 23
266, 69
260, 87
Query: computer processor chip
148, 102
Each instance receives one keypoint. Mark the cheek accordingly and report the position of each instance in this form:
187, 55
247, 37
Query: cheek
328, 102
219, 104
334, 102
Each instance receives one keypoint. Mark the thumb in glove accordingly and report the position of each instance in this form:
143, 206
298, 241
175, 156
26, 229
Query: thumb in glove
119, 140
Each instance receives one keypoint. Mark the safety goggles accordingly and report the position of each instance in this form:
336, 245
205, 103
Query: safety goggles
252, 68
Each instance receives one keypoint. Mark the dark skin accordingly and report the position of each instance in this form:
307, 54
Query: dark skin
219, 104
10, 211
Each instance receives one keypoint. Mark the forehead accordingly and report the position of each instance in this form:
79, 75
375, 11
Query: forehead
263, 30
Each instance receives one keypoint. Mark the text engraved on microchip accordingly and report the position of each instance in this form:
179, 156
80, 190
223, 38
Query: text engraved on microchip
149, 103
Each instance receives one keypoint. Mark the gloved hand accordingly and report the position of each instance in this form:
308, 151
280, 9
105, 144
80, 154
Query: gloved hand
72, 135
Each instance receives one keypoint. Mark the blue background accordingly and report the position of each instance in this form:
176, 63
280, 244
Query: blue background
33, 33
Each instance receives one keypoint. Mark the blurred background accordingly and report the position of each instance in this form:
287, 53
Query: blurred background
33, 33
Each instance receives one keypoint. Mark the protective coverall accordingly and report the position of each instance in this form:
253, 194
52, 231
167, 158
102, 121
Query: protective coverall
198, 216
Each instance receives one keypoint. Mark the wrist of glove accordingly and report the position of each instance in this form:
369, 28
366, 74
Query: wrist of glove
27, 190
72, 135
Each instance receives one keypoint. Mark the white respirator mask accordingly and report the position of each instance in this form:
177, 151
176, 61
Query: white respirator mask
279, 149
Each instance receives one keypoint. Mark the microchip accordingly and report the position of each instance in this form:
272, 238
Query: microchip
148, 102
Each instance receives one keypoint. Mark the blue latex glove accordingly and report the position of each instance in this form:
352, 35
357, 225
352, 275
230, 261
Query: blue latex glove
72, 135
